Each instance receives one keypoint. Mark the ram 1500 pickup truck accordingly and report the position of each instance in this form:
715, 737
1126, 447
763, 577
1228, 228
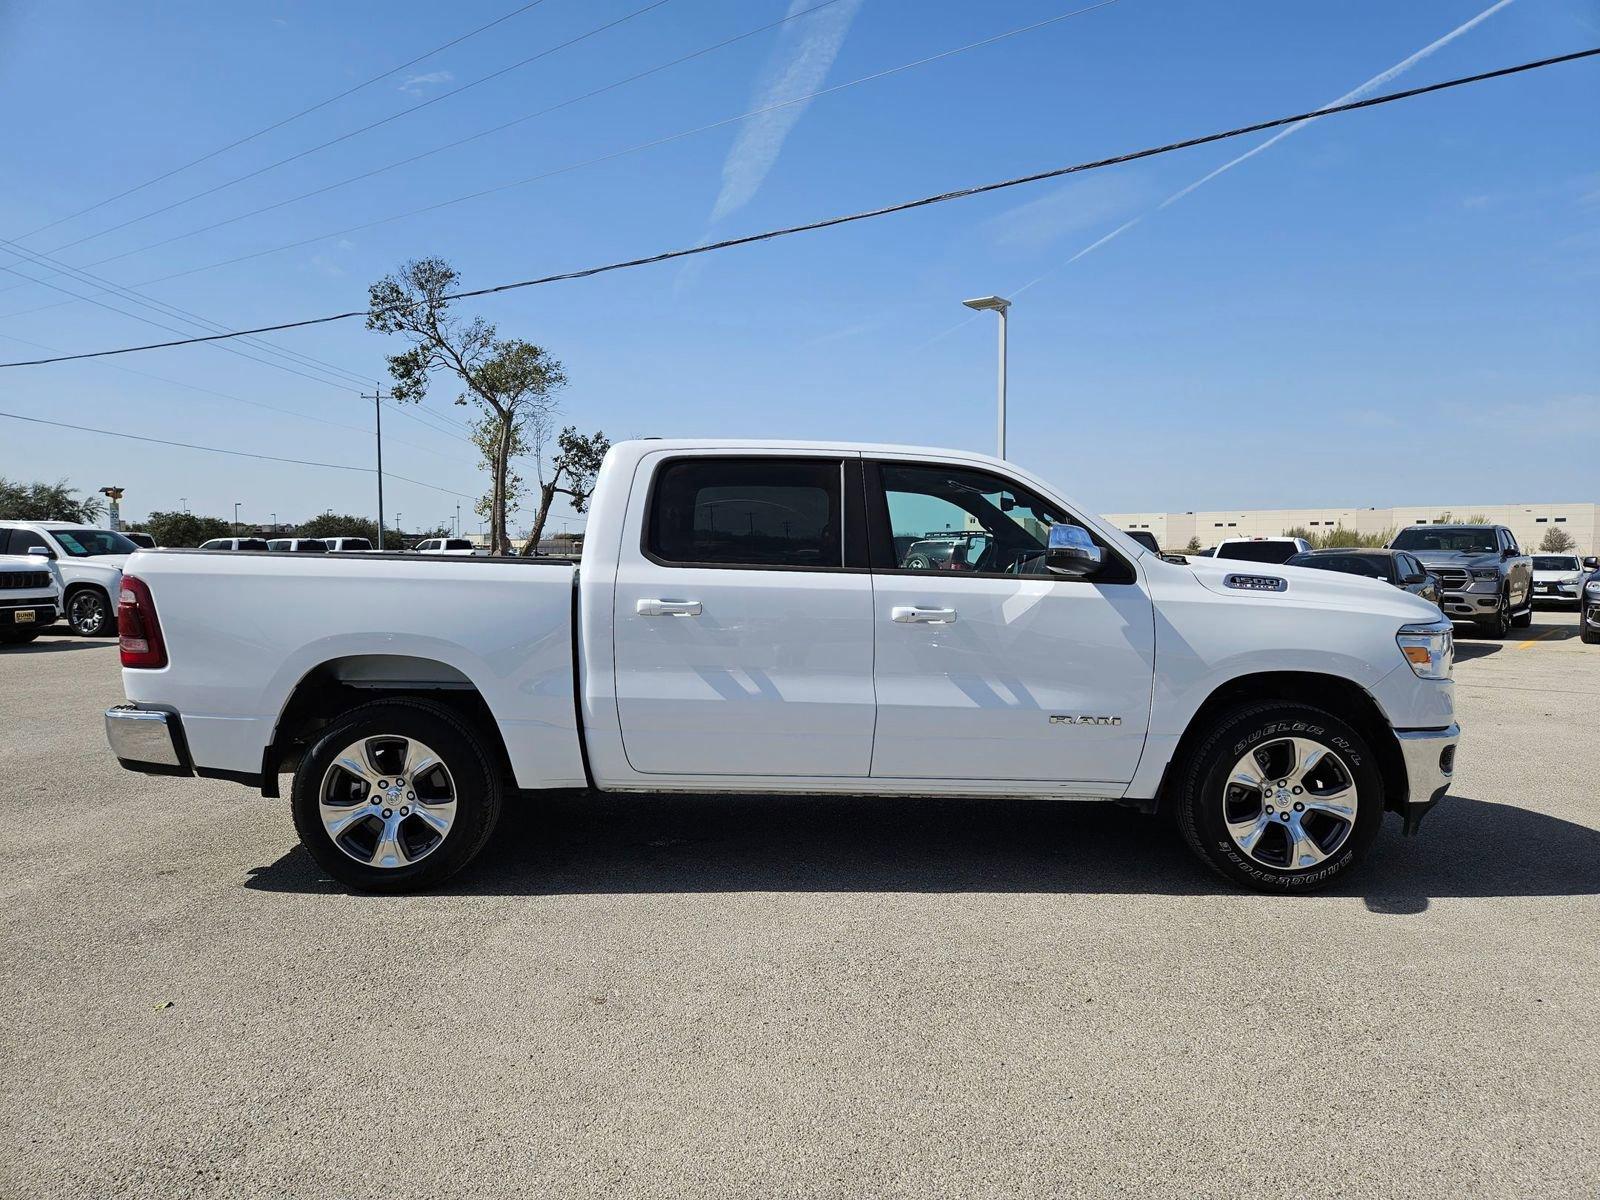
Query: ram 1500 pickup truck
746, 618
1484, 575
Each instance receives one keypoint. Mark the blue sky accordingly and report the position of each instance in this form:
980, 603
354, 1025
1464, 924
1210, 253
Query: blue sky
1386, 307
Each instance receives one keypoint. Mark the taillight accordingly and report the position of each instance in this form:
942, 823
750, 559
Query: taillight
138, 631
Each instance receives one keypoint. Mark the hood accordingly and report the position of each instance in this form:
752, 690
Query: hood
108, 562
1308, 586
1458, 558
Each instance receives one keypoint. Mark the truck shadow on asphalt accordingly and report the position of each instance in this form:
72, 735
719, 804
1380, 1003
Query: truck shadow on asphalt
573, 844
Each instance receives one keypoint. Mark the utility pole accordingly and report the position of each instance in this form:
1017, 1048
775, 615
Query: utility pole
377, 413
236, 518
458, 520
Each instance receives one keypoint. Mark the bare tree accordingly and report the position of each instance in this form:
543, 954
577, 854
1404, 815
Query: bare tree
512, 382
572, 473
1557, 540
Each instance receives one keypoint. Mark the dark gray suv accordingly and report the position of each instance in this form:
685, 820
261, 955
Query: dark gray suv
1485, 576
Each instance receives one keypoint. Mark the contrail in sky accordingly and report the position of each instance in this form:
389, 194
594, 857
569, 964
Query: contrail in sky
797, 69
1371, 85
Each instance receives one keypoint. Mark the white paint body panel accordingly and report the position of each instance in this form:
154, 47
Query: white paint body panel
788, 681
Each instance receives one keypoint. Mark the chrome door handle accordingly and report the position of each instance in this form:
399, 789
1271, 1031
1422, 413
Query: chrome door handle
911, 615
667, 608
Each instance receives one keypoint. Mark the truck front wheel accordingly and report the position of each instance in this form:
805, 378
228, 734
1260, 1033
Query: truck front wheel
396, 796
1280, 797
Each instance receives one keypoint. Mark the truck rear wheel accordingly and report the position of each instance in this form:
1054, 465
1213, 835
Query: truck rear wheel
1280, 797
396, 796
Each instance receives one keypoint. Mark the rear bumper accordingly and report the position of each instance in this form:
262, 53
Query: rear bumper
1430, 760
148, 740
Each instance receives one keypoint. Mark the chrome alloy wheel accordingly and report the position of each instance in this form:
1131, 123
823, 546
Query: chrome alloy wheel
1290, 803
387, 801
86, 613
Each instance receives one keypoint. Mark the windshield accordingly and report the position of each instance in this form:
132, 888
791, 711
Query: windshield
1556, 562
90, 543
1348, 564
1261, 552
1452, 539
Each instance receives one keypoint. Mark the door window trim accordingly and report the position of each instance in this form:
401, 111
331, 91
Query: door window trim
852, 514
880, 530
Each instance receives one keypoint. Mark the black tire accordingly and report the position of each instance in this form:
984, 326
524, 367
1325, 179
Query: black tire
1500, 625
1203, 792
1590, 637
18, 637
89, 612
472, 771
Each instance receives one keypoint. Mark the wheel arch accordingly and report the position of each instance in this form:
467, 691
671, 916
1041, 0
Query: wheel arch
1342, 697
337, 685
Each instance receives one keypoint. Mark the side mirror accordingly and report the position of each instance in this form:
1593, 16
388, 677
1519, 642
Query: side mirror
41, 551
1072, 553
1591, 563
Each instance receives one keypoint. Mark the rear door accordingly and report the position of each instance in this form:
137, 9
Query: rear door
743, 624
988, 668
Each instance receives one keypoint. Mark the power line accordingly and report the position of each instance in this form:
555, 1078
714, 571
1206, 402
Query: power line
343, 137
868, 214
570, 167
249, 137
301, 462
288, 412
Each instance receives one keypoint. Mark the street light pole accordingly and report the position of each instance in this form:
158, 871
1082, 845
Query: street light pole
996, 304
236, 518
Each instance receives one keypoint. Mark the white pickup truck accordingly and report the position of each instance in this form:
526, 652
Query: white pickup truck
744, 620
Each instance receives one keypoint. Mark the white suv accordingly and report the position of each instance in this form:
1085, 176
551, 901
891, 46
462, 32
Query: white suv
30, 596
1557, 578
445, 546
90, 562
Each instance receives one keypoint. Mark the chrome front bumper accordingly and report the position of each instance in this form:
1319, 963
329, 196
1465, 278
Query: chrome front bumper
149, 740
1430, 759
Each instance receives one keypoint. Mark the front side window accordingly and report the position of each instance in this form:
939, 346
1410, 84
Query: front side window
310, 546
747, 512
964, 521
279, 544
91, 543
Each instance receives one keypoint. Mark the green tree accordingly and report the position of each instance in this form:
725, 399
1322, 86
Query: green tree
1194, 546
1557, 540
572, 473
511, 382
185, 529
46, 502
344, 525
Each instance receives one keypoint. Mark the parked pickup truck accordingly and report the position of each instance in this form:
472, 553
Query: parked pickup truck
1485, 576
742, 621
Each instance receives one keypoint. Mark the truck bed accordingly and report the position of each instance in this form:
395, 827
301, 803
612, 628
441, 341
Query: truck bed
247, 632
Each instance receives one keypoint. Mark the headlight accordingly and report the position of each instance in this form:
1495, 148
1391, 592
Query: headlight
1485, 573
1430, 649
1592, 587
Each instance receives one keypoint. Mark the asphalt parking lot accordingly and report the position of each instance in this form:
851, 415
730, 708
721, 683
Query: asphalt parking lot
758, 997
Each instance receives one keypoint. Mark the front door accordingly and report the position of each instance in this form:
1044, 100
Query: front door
987, 668
743, 622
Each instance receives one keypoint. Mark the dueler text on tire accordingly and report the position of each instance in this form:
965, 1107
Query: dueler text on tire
1281, 797
396, 796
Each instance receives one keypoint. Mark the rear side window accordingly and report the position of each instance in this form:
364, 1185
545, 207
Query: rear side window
457, 544
310, 546
747, 513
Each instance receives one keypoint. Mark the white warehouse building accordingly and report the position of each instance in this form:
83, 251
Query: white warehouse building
1530, 522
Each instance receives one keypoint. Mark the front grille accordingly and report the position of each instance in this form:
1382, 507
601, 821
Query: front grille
1452, 579
17, 580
